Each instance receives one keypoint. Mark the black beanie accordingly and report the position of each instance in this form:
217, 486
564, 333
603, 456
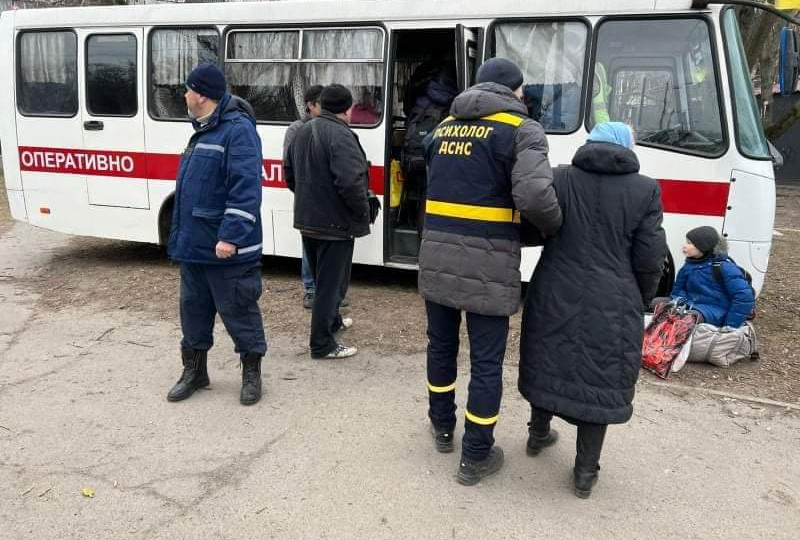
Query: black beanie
704, 238
335, 98
312, 93
207, 80
500, 71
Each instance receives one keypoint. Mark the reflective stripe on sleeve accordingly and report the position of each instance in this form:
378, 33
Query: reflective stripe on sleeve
470, 211
505, 118
481, 420
215, 147
237, 212
441, 389
248, 249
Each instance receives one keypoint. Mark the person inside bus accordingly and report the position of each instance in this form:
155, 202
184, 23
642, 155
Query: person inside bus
714, 286
365, 112
327, 171
580, 351
216, 233
487, 163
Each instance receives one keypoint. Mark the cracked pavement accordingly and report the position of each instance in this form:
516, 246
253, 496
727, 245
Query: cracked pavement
335, 449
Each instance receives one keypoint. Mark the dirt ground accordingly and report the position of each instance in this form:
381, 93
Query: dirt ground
389, 312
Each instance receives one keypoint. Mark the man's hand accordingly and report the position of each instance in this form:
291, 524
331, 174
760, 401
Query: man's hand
225, 250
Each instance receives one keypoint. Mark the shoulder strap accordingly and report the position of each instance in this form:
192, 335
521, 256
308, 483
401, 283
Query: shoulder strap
716, 269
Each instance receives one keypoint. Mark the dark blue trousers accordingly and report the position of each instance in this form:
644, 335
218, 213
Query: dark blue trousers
487, 348
230, 290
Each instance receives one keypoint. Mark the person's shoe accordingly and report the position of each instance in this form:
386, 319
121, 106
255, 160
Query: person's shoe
537, 443
443, 439
584, 481
194, 376
251, 379
341, 351
347, 322
471, 472
308, 299
345, 302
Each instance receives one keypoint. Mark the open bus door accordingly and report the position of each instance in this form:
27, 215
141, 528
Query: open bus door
469, 49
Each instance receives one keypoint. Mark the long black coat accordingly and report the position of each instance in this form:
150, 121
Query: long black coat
582, 323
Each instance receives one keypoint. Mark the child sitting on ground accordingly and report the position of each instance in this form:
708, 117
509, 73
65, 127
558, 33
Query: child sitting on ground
725, 299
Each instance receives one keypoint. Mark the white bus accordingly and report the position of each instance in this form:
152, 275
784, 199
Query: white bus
94, 122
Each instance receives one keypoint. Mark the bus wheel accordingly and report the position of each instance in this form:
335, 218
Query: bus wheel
667, 277
165, 221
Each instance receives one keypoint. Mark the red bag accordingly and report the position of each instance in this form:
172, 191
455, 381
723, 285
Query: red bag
665, 336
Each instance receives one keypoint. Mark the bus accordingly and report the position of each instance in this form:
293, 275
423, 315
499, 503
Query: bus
94, 121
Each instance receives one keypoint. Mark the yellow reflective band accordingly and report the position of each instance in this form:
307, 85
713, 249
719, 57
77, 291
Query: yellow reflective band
469, 211
441, 389
482, 421
505, 118
447, 119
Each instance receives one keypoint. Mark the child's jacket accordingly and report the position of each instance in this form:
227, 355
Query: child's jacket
726, 303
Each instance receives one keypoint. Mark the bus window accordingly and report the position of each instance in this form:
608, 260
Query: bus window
658, 76
173, 54
47, 67
111, 75
749, 134
551, 56
271, 69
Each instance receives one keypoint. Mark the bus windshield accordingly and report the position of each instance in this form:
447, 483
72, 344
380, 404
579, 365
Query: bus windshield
659, 76
749, 133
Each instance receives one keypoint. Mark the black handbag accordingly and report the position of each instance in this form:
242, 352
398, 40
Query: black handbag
374, 206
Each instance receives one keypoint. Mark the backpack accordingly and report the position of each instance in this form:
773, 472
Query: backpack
422, 120
716, 270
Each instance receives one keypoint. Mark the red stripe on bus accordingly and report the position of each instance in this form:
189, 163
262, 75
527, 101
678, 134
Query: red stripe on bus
141, 165
703, 198
700, 198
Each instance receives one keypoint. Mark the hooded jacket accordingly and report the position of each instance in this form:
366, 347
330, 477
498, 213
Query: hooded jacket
218, 189
486, 164
722, 304
582, 326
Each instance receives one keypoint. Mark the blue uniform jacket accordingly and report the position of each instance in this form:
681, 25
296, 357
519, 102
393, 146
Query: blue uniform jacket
722, 304
218, 190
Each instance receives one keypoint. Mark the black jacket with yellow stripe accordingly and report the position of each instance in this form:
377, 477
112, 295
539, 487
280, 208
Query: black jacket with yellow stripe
487, 163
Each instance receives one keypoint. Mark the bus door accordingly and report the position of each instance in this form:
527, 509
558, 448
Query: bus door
448, 57
112, 116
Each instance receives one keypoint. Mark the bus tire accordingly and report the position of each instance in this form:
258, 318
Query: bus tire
165, 220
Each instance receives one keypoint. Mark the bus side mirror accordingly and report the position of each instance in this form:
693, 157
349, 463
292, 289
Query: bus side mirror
788, 64
777, 157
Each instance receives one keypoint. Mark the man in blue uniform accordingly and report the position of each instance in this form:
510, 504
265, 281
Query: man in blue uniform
487, 163
216, 233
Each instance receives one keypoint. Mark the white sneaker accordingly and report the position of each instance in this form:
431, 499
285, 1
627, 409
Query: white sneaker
347, 322
341, 351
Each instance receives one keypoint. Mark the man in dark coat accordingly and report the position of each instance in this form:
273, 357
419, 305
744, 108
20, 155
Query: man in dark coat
582, 323
327, 170
487, 162
216, 233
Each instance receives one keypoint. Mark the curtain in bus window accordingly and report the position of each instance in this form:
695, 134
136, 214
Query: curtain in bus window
173, 55
266, 86
48, 73
363, 44
362, 79
659, 77
551, 56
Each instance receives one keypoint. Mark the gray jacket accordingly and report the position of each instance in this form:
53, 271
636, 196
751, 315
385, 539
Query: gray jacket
481, 274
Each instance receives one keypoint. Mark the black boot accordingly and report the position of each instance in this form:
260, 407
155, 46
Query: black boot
251, 379
443, 437
540, 435
195, 375
470, 472
589, 445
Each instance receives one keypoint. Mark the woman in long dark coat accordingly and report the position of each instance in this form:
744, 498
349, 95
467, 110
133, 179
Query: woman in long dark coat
582, 324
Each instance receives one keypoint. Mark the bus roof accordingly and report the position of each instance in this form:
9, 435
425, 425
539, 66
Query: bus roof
304, 11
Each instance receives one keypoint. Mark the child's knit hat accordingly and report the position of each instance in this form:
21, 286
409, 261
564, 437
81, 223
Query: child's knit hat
704, 238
